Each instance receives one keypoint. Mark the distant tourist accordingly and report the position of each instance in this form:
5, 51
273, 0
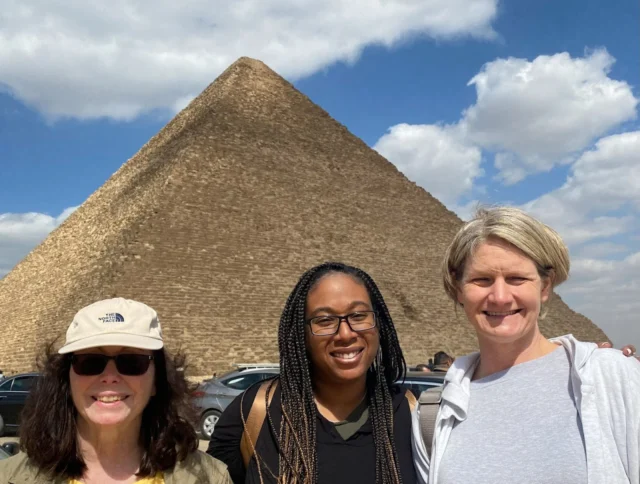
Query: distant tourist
110, 407
335, 415
423, 367
1, 375
541, 411
442, 361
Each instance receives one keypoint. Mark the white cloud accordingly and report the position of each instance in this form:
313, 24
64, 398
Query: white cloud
21, 232
600, 250
87, 59
533, 115
434, 157
607, 292
536, 114
600, 198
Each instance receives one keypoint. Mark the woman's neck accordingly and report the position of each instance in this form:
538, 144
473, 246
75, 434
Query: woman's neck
496, 356
110, 451
336, 401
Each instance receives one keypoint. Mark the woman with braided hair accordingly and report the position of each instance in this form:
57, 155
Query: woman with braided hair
334, 414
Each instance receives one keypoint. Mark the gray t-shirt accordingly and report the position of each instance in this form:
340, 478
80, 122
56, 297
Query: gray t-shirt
522, 427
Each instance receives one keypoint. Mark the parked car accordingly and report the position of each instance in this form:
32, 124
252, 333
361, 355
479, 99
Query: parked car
3, 454
8, 449
419, 381
13, 394
213, 396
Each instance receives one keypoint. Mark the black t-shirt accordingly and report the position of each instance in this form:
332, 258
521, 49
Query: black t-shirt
339, 461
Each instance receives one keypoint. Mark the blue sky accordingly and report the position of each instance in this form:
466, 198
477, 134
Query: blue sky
532, 103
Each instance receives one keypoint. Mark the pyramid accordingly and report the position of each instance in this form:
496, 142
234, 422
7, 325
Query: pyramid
215, 218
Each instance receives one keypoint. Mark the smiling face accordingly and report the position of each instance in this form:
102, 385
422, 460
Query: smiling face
502, 293
347, 355
111, 398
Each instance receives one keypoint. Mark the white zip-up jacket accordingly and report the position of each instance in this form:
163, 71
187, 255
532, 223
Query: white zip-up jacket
606, 385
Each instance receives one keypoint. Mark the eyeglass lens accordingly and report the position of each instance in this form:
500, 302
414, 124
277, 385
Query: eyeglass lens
330, 324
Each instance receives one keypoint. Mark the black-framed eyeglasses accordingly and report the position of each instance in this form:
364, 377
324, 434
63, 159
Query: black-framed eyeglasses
330, 324
128, 364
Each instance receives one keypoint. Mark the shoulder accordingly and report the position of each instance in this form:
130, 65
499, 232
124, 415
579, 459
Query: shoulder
401, 398
210, 464
609, 366
17, 469
462, 364
225, 441
604, 368
397, 393
201, 465
246, 398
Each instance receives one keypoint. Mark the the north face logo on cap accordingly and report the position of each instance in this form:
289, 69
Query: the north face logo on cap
112, 318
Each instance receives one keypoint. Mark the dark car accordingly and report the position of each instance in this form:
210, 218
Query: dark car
8, 449
419, 381
4, 454
213, 396
13, 393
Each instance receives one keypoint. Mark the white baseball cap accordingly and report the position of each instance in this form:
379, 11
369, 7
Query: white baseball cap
114, 322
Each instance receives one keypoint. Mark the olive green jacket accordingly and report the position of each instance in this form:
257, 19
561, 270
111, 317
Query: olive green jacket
197, 468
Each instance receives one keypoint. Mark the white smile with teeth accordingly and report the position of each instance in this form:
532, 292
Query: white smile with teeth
347, 356
111, 398
505, 313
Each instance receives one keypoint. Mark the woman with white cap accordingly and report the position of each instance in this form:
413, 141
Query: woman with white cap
110, 407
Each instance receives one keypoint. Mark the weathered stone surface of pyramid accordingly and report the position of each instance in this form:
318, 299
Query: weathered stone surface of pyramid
215, 218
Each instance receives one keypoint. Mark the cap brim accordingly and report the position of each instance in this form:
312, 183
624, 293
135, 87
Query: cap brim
113, 339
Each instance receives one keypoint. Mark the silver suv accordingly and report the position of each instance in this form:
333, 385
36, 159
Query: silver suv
213, 396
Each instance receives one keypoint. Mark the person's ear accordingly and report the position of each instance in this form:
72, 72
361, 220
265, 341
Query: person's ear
547, 287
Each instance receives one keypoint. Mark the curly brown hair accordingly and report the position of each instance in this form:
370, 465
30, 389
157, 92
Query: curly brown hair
48, 433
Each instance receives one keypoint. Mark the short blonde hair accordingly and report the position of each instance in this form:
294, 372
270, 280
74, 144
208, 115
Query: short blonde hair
537, 241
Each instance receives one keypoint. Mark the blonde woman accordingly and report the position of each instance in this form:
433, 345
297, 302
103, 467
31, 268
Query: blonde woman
526, 409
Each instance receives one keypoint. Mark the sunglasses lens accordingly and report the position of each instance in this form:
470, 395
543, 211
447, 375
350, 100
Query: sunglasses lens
92, 365
89, 365
132, 365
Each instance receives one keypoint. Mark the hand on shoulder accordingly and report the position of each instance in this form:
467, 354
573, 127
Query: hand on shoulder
627, 350
610, 362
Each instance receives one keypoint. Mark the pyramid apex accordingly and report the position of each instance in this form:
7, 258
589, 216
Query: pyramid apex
250, 65
250, 61
244, 85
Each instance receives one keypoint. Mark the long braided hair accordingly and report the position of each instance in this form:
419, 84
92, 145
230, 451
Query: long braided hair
297, 439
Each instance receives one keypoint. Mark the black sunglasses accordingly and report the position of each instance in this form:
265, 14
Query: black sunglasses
129, 364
